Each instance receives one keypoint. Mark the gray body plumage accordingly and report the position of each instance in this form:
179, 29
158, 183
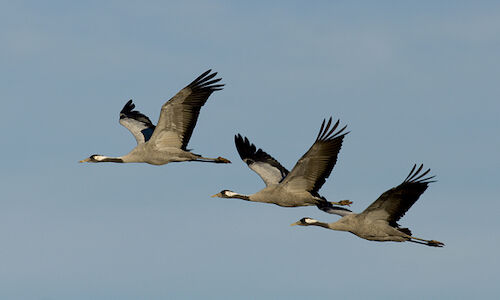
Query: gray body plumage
300, 186
369, 229
280, 195
154, 155
166, 142
378, 222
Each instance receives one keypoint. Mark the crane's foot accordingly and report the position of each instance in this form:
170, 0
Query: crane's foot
343, 202
434, 243
222, 160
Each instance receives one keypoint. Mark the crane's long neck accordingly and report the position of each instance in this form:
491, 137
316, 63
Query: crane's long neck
114, 159
103, 158
237, 196
320, 224
339, 225
136, 155
129, 158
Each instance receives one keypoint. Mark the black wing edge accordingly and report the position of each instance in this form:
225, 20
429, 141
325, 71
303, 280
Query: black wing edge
128, 112
416, 177
328, 135
414, 185
250, 153
332, 209
203, 82
325, 133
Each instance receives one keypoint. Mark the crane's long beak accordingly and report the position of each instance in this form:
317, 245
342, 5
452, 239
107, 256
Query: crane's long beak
293, 224
85, 160
216, 195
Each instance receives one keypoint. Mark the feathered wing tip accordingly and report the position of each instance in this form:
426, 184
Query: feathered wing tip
244, 147
415, 177
128, 112
128, 107
325, 133
203, 81
250, 154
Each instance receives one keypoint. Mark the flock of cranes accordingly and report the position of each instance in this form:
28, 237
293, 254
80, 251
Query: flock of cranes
167, 141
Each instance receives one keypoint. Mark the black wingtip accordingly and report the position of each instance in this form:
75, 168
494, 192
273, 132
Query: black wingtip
243, 146
417, 177
129, 112
238, 140
411, 172
128, 107
327, 133
321, 129
203, 75
205, 81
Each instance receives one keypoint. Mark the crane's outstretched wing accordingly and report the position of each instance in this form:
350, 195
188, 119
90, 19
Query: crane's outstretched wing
137, 123
315, 165
268, 168
178, 115
394, 203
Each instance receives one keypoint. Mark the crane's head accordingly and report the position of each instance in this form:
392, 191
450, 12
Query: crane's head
94, 158
305, 222
225, 194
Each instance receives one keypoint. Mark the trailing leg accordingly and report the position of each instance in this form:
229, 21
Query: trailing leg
432, 243
218, 160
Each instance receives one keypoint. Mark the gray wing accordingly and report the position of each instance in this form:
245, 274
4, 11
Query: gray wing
268, 168
178, 115
394, 203
315, 165
137, 123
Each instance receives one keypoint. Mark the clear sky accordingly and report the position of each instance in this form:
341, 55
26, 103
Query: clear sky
414, 82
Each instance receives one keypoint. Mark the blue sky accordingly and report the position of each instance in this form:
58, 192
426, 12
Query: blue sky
413, 82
